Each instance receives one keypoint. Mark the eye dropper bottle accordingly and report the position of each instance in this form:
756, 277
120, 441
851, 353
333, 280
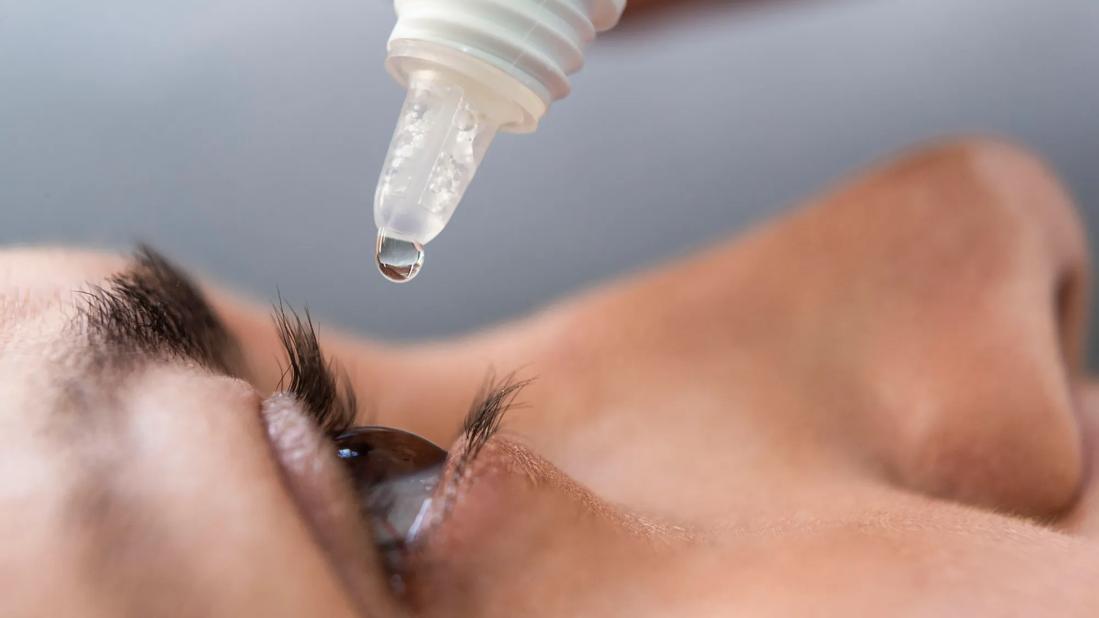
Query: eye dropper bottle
472, 68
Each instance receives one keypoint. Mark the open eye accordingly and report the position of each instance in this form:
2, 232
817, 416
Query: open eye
394, 474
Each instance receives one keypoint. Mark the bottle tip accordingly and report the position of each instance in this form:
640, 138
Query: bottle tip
398, 260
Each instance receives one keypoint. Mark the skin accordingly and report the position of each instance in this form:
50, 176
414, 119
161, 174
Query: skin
873, 405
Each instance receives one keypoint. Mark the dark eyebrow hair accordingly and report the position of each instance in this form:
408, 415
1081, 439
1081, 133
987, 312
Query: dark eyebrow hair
152, 309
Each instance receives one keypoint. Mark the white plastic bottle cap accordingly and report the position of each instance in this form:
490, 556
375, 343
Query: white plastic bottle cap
535, 44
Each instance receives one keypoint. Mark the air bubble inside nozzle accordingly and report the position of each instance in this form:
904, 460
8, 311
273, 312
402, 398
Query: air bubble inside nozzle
442, 136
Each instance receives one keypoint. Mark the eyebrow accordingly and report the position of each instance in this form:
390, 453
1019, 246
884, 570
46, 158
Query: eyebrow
153, 310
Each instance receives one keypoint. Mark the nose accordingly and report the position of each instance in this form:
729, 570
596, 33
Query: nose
956, 310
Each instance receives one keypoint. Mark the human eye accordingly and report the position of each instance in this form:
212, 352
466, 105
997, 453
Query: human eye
401, 485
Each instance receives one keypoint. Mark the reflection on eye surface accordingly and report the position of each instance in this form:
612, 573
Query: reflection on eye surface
394, 474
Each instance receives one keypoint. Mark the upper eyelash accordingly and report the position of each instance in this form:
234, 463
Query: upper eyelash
313, 379
330, 399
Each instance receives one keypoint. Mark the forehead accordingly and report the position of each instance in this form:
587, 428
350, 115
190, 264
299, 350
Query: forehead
142, 307
44, 271
40, 350
39, 289
41, 281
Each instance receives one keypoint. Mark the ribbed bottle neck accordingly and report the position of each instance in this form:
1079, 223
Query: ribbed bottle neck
536, 43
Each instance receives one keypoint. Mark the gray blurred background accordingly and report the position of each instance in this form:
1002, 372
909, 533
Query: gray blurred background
244, 138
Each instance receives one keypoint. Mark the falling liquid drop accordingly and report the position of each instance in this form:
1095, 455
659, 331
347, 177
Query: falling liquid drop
399, 260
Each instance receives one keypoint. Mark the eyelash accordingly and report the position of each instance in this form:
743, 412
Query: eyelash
495, 399
323, 388
326, 393
326, 390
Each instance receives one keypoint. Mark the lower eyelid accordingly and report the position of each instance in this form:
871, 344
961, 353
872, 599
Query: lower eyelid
474, 494
491, 523
491, 491
513, 518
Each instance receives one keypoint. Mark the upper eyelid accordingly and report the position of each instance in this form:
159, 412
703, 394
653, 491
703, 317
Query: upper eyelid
316, 480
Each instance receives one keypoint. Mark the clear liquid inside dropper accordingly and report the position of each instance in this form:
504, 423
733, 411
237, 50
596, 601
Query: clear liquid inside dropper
398, 260
440, 140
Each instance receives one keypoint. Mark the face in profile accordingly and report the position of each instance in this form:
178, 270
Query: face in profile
874, 405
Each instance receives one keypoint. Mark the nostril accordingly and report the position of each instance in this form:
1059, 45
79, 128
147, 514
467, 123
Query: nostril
1021, 457
1068, 309
984, 414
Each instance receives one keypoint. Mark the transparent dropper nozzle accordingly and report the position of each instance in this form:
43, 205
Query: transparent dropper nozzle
440, 140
